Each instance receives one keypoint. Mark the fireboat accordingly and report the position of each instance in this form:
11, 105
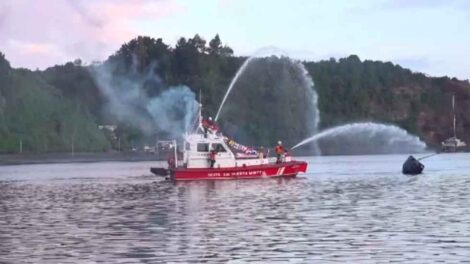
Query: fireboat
209, 155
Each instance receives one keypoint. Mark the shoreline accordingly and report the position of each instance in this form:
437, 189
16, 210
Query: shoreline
90, 157
51, 158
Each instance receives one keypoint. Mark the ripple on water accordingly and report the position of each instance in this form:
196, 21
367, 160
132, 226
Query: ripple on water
347, 216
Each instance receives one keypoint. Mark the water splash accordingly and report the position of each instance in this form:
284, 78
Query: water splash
290, 83
312, 95
377, 137
263, 52
388, 137
232, 83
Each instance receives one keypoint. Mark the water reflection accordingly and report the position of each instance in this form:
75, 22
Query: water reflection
341, 211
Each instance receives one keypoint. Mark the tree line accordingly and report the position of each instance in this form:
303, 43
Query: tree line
60, 108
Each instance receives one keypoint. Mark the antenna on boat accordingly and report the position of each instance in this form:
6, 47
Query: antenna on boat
200, 105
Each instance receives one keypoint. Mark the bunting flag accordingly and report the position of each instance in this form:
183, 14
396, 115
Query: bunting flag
247, 151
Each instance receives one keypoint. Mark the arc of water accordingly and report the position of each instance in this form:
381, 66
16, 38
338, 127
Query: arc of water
310, 90
232, 83
269, 50
372, 128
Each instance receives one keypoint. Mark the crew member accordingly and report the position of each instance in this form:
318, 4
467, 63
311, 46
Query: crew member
212, 157
280, 151
205, 126
261, 153
171, 162
208, 124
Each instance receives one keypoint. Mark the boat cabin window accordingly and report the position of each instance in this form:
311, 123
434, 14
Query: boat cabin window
218, 147
188, 146
203, 147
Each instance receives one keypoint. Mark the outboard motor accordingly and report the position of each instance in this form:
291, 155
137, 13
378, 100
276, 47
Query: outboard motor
412, 166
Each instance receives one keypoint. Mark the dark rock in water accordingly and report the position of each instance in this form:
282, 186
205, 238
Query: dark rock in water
412, 166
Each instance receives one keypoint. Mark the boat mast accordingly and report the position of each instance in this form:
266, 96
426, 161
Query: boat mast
198, 119
200, 105
453, 113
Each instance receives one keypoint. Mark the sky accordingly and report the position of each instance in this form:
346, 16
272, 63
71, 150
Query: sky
429, 36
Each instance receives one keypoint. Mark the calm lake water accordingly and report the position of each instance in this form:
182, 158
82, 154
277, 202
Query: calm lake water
354, 209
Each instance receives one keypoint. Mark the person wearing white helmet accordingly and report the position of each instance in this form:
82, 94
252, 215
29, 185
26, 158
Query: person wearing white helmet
280, 151
207, 124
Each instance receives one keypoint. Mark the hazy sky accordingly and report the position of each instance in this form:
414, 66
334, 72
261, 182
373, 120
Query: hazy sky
431, 36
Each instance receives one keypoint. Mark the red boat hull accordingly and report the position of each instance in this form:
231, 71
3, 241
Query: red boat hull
286, 169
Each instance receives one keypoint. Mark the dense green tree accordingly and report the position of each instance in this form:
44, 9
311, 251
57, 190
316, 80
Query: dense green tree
5, 72
42, 119
51, 110
198, 43
215, 45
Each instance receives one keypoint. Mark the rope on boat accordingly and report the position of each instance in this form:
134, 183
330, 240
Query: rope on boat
428, 156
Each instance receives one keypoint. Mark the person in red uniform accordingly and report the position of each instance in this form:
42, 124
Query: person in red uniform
212, 157
280, 151
208, 124
171, 162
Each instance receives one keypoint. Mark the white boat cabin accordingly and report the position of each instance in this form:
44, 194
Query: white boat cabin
206, 138
197, 148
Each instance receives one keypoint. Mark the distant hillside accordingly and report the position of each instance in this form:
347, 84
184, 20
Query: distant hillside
38, 117
351, 90
62, 106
